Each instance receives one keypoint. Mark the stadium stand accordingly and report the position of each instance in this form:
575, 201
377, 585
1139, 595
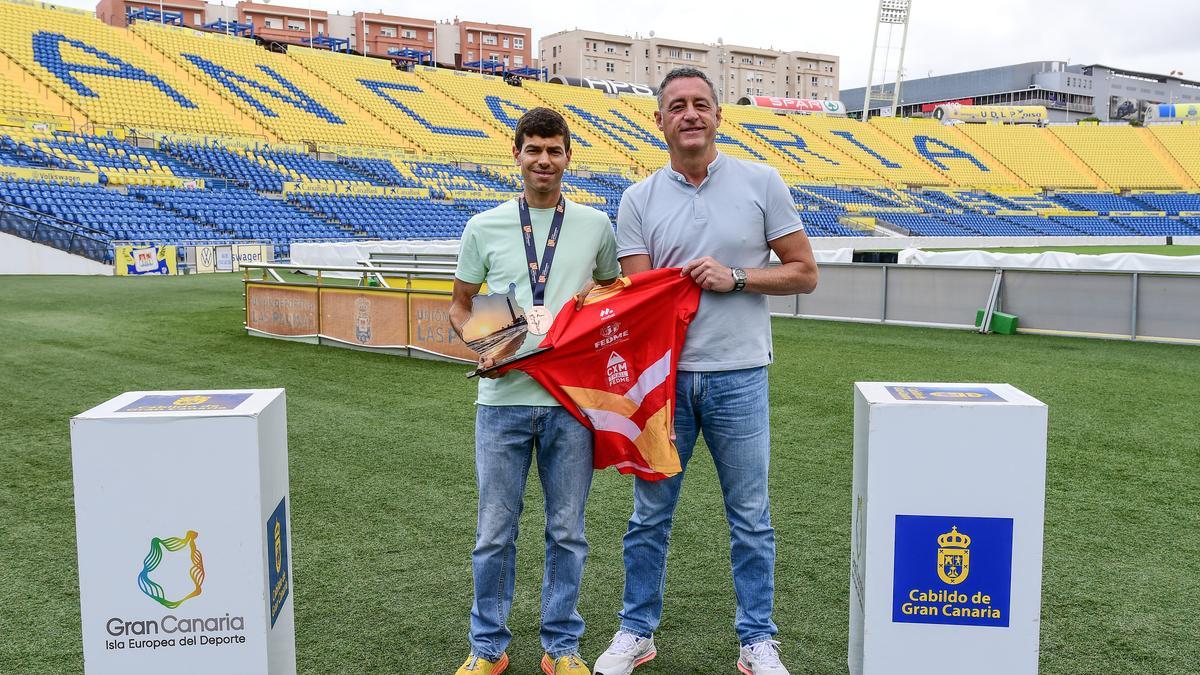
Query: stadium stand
1168, 202
887, 161
389, 217
608, 119
1034, 154
1120, 155
165, 134
16, 100
118, 215
117, 162
1180, 141
950, 152
218, 160
501, 106
1100, 202
273, 89
730, 138
100, 71
434, 122
800, 153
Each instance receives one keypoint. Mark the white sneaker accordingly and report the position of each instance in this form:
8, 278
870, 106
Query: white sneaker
761, 658
626, 652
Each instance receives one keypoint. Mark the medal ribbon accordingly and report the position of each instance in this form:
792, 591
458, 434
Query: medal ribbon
539, 273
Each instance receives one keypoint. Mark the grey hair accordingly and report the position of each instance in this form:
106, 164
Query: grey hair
682, 72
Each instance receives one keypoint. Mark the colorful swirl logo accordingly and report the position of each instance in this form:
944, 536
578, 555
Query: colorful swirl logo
152, 589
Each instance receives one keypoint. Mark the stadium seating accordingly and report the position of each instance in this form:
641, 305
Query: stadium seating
1180, 141
618, 125
199, 136
433, 121
731, 139
273, 89
798, 151
1120, 155
242, 215
1034, 154
949, 151
1099, 202
501, 105
102, 72
16, 100
1170, 203
390, 217
116, 214
886, 160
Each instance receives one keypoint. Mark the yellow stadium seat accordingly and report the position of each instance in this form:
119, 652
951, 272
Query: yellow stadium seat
1182, 141
273, 89
882, 157
607, 119
1119, 154
949, 151
434, 122
731, 139
1034, 154
500, 105
102, 73
801, 151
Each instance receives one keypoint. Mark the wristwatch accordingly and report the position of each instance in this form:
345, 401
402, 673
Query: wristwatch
739, 279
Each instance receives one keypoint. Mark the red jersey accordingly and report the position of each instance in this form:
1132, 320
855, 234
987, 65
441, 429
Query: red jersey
613, 367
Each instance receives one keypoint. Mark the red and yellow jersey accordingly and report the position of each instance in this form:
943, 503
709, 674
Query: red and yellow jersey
612, 365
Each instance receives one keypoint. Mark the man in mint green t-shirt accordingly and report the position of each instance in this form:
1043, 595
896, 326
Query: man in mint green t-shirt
550, 248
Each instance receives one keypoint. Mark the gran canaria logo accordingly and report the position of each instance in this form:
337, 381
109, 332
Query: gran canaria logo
953, 558
154, 590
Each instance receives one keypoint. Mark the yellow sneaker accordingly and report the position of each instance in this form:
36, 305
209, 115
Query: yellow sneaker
477, 665
570, 664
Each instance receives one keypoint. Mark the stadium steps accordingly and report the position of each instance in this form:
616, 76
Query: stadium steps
199, 88
218, 233
1082, 166
1154, 143
367, 176
41, 95
237, 182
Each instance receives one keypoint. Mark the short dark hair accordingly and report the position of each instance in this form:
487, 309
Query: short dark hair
682, 72
542, 122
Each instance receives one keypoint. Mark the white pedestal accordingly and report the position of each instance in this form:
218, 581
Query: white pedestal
946, 544
182, 516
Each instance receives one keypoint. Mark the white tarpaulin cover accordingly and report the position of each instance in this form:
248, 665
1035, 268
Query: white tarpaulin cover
1126, 262
348, 254
832, 255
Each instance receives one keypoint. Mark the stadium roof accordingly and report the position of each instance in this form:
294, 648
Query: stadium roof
1148, 76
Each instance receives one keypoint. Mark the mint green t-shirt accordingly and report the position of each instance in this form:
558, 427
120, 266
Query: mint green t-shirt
493, 251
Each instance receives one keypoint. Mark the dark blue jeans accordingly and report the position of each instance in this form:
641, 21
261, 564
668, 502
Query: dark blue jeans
506, 440
731, 409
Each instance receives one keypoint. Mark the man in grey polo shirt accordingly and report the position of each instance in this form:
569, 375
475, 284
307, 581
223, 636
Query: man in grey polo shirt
719, 218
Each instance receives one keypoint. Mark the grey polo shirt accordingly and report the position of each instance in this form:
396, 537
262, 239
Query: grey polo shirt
738, 208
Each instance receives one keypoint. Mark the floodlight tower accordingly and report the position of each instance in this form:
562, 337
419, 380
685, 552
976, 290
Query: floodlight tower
893, 14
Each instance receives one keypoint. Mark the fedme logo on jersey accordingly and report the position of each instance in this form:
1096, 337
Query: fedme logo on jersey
618, 370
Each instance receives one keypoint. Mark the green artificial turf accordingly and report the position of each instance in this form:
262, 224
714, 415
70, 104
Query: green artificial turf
383, 496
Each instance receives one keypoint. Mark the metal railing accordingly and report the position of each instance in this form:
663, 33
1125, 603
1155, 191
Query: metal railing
50, 231
1113, 304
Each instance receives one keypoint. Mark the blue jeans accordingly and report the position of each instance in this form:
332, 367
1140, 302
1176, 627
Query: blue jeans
730, 408
506, 440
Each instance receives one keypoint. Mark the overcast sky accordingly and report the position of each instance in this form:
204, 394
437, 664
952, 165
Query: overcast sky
1157, 36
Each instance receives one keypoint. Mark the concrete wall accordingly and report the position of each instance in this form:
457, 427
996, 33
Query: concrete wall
21, 256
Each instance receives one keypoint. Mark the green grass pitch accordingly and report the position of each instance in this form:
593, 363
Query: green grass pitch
382, 483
